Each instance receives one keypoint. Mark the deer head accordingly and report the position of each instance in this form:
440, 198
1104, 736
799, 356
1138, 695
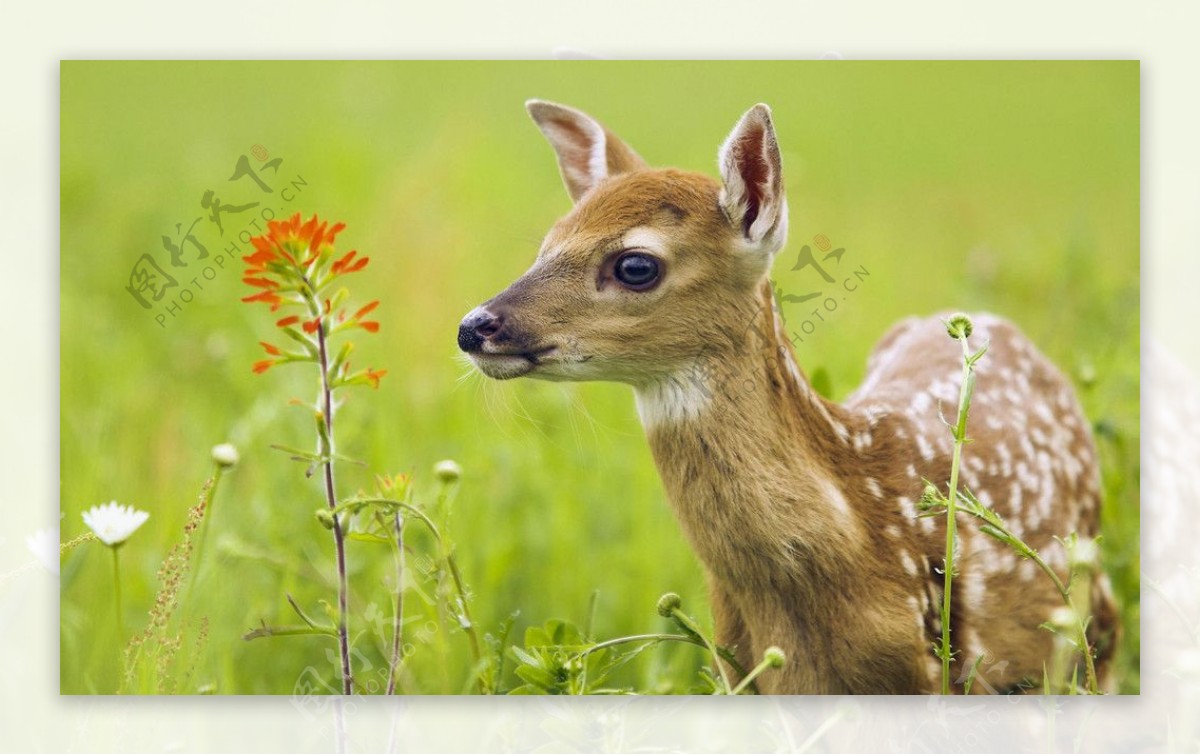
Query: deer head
648, 269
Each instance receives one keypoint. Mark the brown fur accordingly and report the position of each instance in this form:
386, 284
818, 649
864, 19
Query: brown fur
803, 511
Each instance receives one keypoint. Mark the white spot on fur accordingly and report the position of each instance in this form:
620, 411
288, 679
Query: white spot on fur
921, 403
845, 520
924, 447
873, 487
1042, 409
973, 645
1005, 459
839, 429
973, 593
918, 613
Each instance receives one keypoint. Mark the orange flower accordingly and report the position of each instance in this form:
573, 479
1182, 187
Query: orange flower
368, 308
310, 235
270, 297
373, 376
348, 264
257, 262
291, 239
279, 279
345, 260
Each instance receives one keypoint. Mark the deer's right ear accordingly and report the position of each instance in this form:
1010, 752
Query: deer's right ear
752, 172
587, 152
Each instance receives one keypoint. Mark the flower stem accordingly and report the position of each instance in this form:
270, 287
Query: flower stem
748, 679
117, 604
339, 541
464, 619
667, 637
208, 504
960, 434
685, 622
398, 616
209, 495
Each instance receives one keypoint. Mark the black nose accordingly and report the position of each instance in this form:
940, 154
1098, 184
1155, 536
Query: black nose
476, 328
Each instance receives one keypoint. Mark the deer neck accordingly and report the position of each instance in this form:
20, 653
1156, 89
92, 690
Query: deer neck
748, 453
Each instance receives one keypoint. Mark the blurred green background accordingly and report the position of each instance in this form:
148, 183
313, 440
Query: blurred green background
1006, 186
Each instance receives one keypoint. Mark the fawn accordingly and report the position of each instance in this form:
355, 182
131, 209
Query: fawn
802, 510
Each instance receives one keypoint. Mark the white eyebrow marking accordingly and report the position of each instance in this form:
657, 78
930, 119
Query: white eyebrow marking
645, 237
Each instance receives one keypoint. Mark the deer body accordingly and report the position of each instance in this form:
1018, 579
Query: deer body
803, 511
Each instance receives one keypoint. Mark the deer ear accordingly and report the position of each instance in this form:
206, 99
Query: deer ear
752, 172
587, 152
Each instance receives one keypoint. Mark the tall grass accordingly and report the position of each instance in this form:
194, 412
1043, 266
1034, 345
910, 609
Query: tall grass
1073, 624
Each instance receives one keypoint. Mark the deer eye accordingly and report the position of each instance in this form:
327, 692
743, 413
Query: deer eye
636, 270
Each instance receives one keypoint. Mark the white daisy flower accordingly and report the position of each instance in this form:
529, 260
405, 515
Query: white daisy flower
114, 523
44, 545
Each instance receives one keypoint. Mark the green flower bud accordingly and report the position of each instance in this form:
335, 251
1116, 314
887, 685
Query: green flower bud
959, 326
668, 603
774, 657
225, 455
325, 518
930, 496
447, 471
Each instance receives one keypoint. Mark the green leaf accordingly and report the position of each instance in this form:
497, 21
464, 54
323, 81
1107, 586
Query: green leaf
972, 674
311, 352
525, 658
299, 612
288, 631
366, 537
537, 676
971, 360
298, 455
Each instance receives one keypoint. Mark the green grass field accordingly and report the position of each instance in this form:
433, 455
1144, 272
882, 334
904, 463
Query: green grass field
1008, 187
